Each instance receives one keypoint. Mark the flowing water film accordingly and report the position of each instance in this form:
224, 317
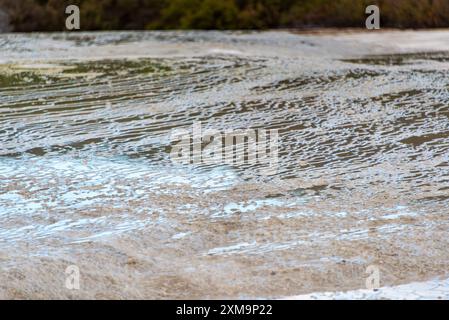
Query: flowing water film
87, 175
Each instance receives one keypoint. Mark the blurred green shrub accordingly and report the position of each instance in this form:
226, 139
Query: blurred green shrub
48, 15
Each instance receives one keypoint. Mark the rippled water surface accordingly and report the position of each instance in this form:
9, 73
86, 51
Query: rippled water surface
86, 176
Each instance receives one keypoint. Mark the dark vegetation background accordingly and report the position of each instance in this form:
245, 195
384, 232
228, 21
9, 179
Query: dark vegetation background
49, 15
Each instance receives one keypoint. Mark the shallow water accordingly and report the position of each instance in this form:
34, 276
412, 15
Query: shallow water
86, 174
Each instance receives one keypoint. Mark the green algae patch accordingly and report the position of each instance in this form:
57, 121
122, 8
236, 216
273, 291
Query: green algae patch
401, 59
11, 80
41, 74
23, 75
123, 67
